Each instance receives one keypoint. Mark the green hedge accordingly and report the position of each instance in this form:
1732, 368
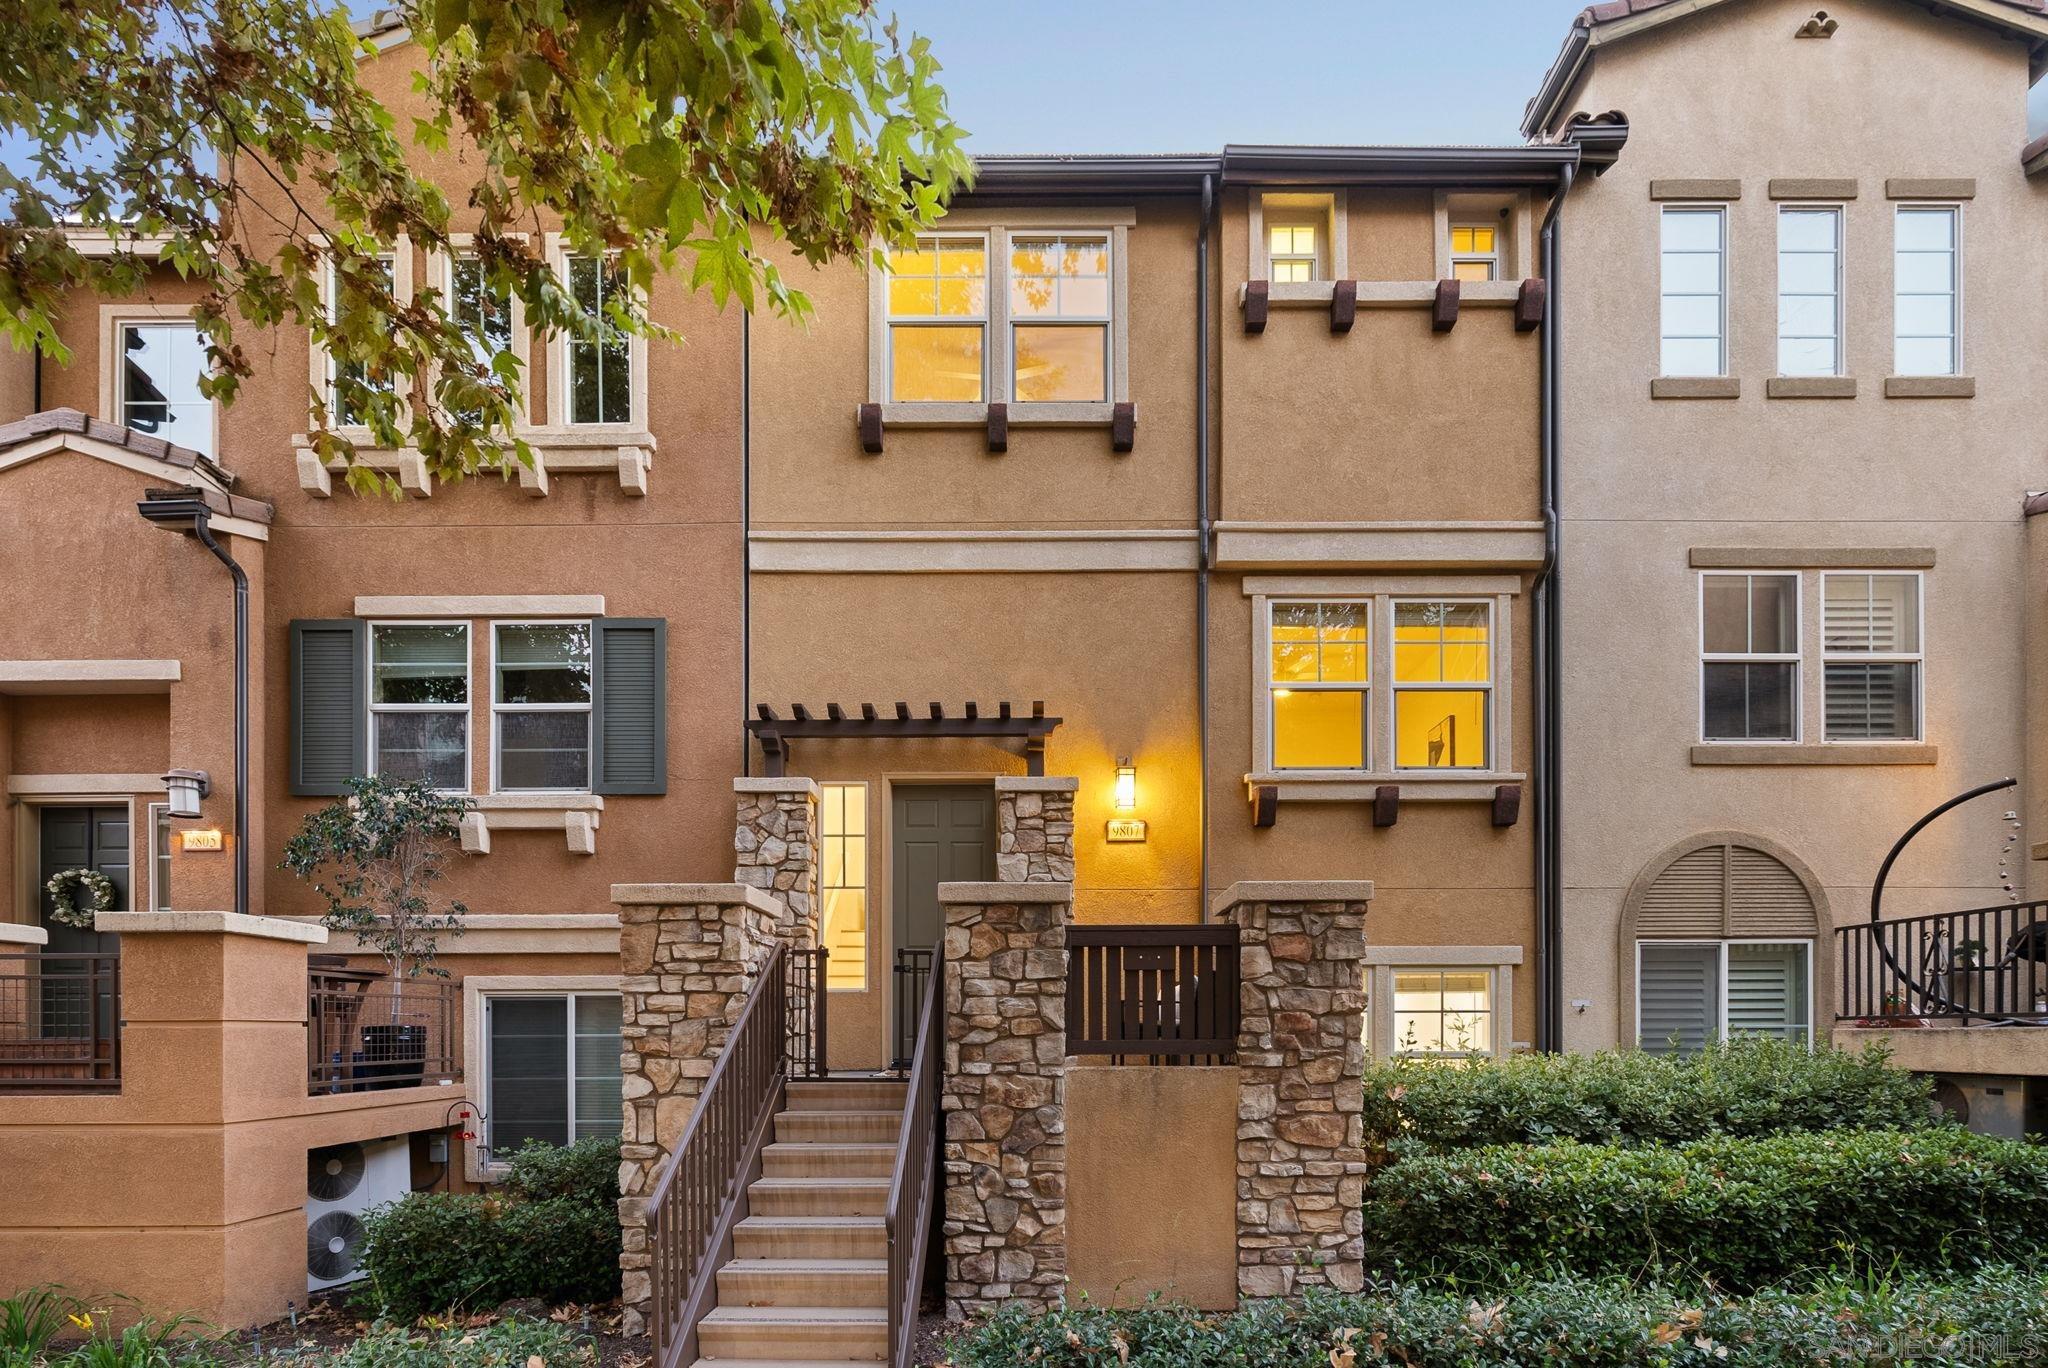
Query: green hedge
1743, 1212
1997, 1318
1625, 1097
550, 1230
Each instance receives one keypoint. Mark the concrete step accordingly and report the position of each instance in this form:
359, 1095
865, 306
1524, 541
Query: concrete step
838, 1127
834, 1334
810, 1237
847, 1094
820, 1160
804, 1282
818, 1196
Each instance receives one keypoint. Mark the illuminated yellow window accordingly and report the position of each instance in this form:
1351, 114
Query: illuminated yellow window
1292, 254
938, 320
1060, 316
843, 882
1443, 1011
1475, 252
1317, 676
1443, 684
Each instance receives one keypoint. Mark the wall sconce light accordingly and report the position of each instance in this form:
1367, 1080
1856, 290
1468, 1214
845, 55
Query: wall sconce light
187, 788
1126, 784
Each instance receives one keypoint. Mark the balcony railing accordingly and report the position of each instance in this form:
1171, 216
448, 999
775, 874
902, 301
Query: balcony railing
1981, 966
60, 1023
366, 1032
1153, 994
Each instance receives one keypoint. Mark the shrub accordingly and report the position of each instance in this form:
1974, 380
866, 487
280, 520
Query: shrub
1997, 1318
1742, 1212
514, 1342
550, 1231
1625, 1097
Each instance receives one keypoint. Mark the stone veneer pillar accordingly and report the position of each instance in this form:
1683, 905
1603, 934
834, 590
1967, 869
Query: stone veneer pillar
1301, 1063
689, 955
1004, 1094
1035, 828
775, 849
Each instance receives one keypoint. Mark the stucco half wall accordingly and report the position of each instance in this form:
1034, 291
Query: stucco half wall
1152, 1183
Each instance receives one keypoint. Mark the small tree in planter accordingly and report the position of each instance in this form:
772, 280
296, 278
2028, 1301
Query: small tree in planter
375, 854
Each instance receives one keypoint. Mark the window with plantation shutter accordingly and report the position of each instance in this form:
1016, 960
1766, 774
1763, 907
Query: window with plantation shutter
1678, 997
329, 710
552, 1068
629, 738
1870, 627
1767, 991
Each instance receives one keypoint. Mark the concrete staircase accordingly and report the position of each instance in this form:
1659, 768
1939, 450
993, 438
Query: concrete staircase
808, 1281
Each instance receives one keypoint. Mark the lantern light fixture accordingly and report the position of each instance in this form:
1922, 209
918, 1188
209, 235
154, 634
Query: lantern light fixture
1126, 784
187, 788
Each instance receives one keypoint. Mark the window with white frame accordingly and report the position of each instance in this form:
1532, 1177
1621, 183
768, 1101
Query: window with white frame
1809, 290
1294, 254
1749, 656
419, 702
161, 365
1443, 684
540, 707
1475, 251
1443, 1011
1691, 993
938, 320
1059, 318
843, 884
1318, 672
1927, 290
160, 836
1694, 283
599, 382
485, 314
551, 1069
346, 382
1870, 655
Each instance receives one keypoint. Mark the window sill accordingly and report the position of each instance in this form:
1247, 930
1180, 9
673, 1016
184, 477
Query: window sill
1930, 387
901, 415
1827, 753
1388, 294
575, 815
1696, 387
626, 451
1350, 786
1810, 387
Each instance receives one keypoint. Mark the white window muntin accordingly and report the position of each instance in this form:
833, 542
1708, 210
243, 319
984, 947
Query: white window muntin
1397, 686
496, 1160
1695, 313
1720, 948
1810, 253
444, 265
1916, 658
1058, 240
1792, 657
462, 709
1490, 260
1363, 688
336, 410
499, 709
1927, 319
1491, 1011
1282, 261
160, 838
995, 275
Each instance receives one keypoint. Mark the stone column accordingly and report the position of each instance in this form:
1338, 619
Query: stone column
775, 849
1301, 1063
689, 955
1035, 828
1004, 1094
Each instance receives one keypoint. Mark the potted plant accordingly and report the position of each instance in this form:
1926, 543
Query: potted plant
375, 854
1898, 1014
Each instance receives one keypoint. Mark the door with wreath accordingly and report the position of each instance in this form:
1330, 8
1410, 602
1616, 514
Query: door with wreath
76, 977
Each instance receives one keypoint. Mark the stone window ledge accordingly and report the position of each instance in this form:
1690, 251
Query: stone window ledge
1810, 387
1828, 753
626, 452
900, 415
1930, 387
1388, 294
1351, 787
576, 815
1696, 387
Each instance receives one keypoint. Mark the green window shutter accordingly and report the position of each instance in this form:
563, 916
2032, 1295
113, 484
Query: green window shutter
629, 735
1678, 990
330, 720
1767, 991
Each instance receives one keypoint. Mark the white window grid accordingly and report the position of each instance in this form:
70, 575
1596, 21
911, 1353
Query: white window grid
1490, 260
1363, 688
500, 709
993, 272
1721, 957
450, 265
462, 710
1792, 657
336, 410
1833, 332
853, 796
1833, 655
567, 348
1055, 244
1445, 1015
160, 838
1719, 294
493, 1159
1400, 686
1952, 293
1298, 262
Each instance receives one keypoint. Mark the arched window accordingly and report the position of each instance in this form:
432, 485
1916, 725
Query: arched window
1720, 936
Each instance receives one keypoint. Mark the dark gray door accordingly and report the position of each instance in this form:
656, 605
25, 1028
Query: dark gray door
940, 834
79, 838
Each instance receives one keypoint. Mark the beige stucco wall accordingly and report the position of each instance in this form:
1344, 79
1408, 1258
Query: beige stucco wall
1647, 480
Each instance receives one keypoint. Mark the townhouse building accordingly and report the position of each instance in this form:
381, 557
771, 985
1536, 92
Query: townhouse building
1800, 426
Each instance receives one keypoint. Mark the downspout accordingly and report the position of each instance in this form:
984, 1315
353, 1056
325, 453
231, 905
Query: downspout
205, 535
1202, 515
746, 538
36, 381
1547, 678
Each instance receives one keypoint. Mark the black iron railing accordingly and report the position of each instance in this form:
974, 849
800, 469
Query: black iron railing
912, 1184
366, 1032
806, 1012
913, 982
1983, 964
1159, 994
60, 1023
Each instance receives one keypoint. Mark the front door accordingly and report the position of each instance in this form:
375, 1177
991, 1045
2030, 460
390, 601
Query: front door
78, 838
941, 834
